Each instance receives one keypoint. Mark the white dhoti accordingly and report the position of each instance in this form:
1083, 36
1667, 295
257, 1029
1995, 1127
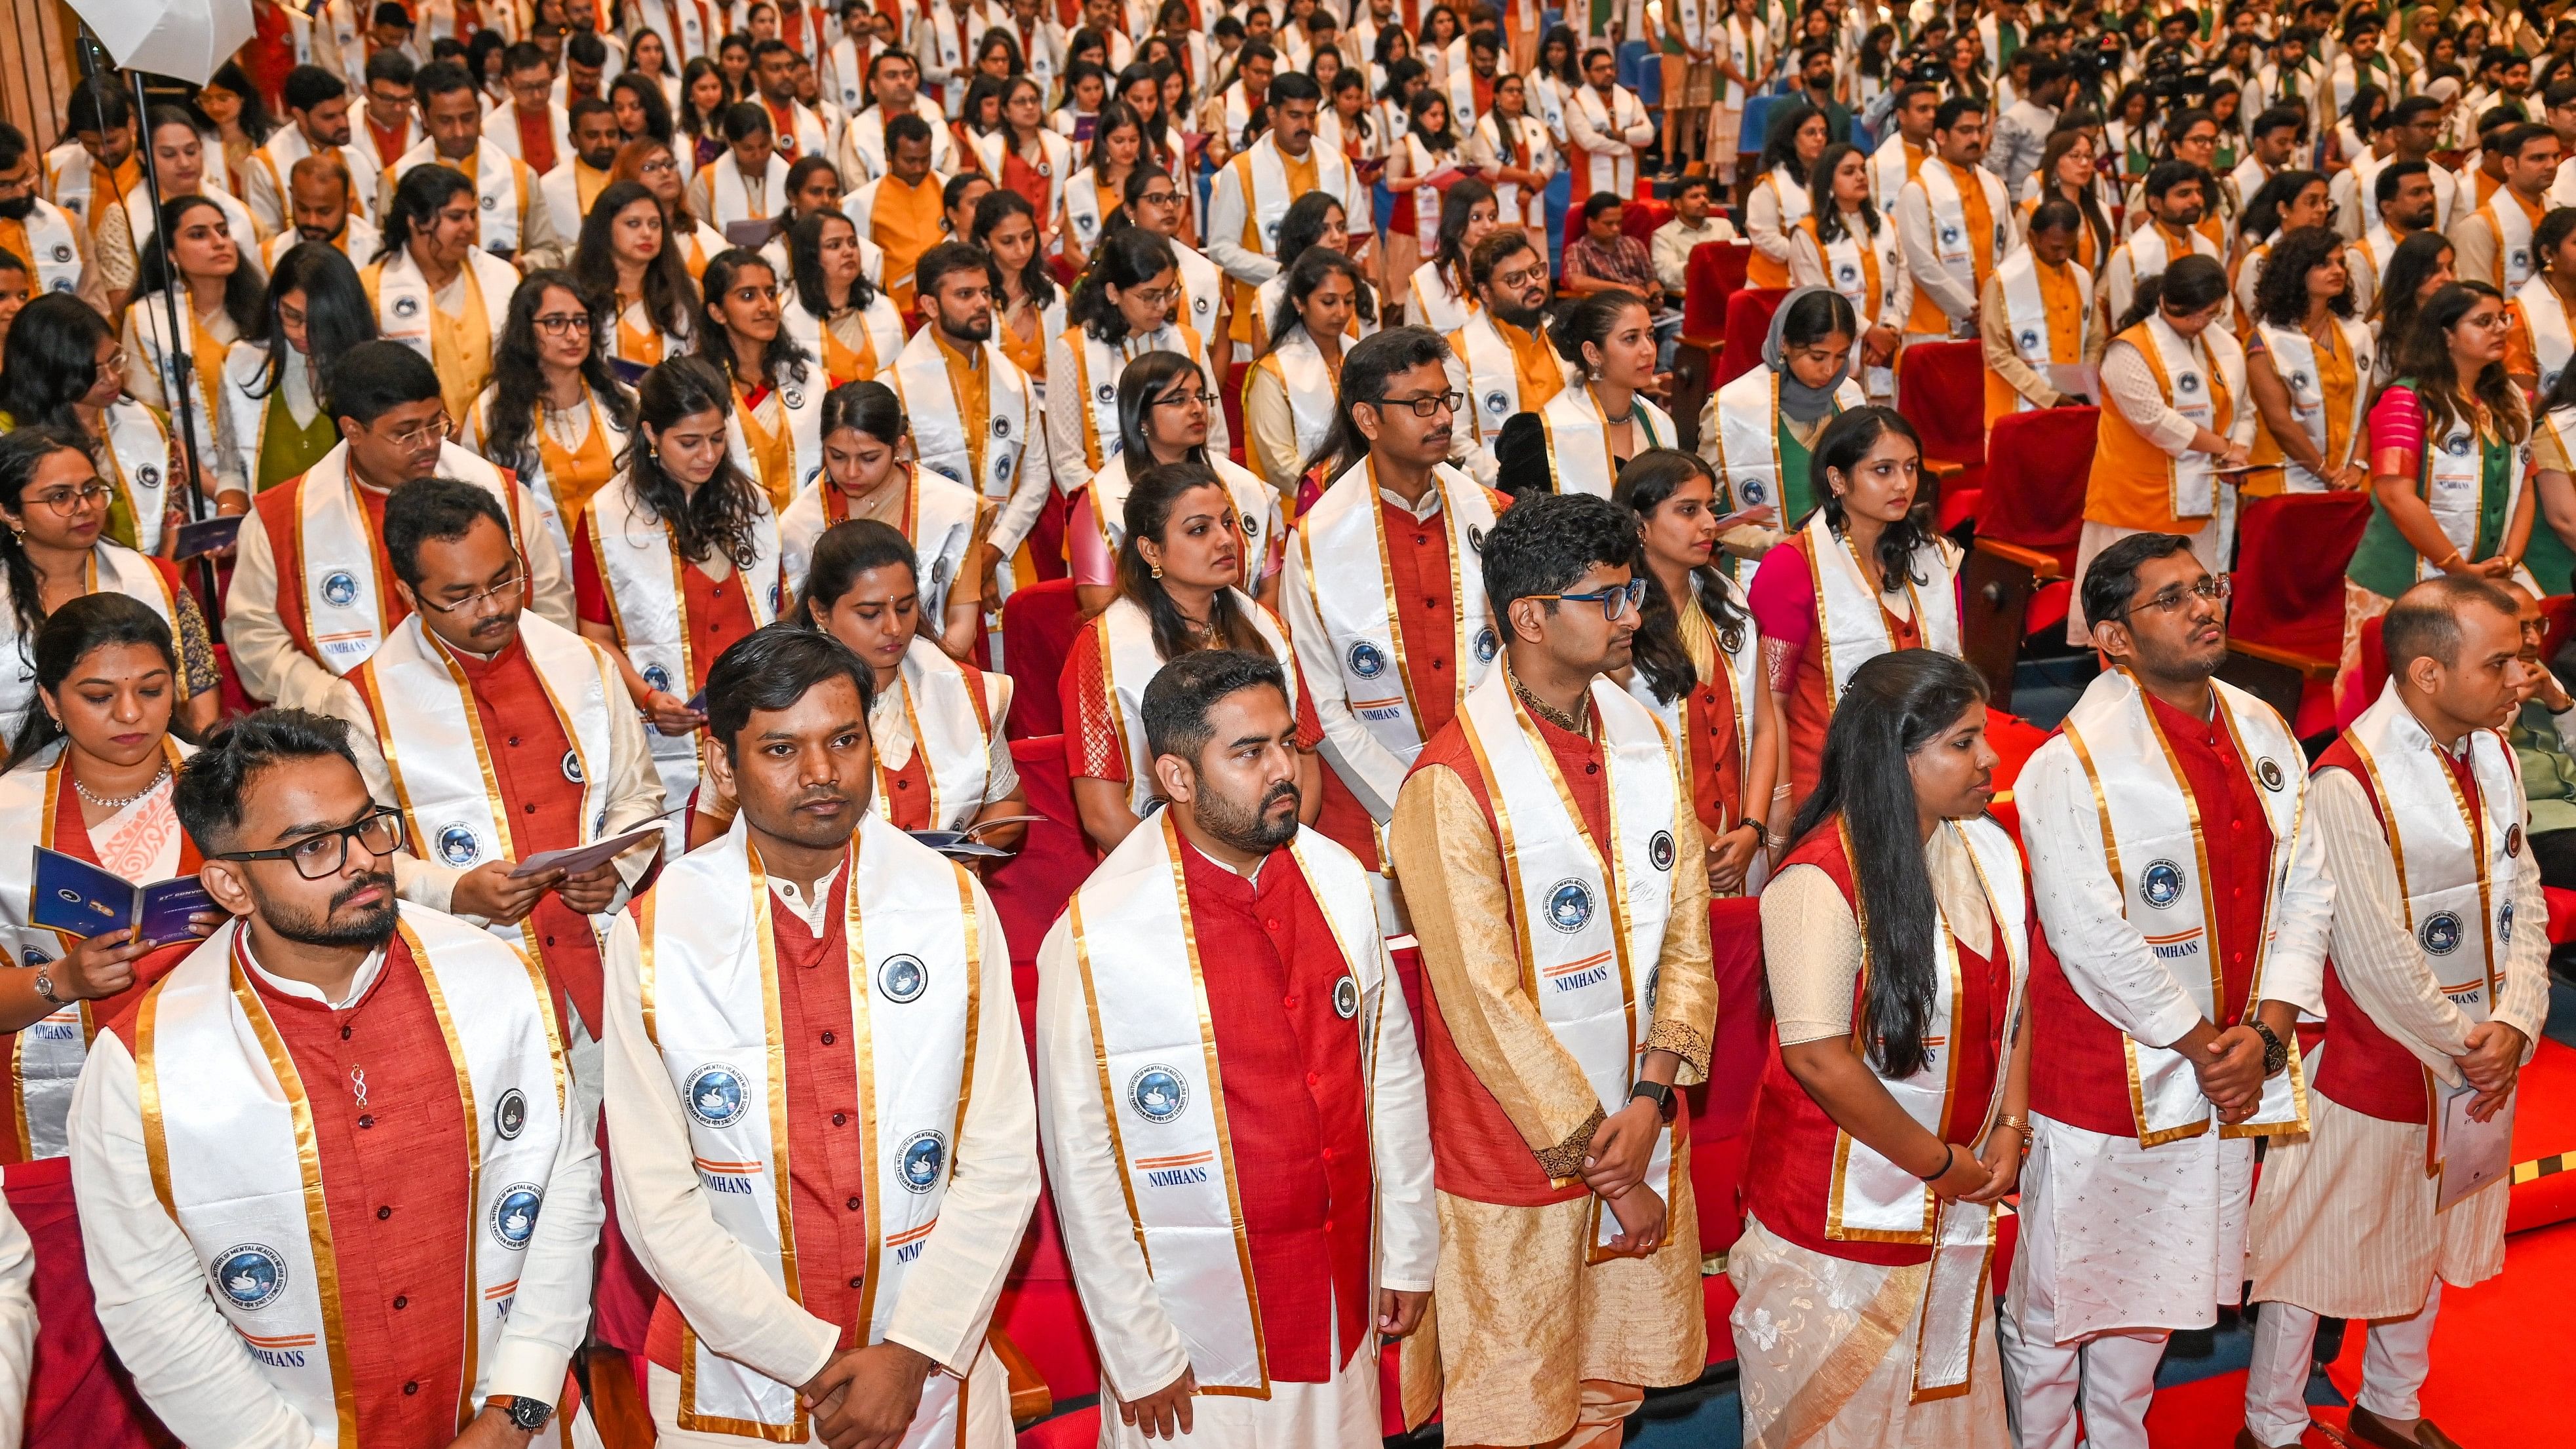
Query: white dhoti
988, 1412
1825, 1354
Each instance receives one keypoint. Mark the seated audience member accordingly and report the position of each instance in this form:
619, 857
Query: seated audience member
1289, 398
1503, 360
1759, 431
1166, 414
275, 379
1440, 295
1695, 222
1119, 310
865, 476
195, 258
1603, 416
436, 290
777, 388
1845, 242
628, 256
1606, 259
60, 369
830, 308
2543, 725
555, 415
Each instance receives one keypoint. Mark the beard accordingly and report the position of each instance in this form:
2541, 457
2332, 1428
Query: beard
973, 329
1250, 830
19, 208
1525, 318
369, 926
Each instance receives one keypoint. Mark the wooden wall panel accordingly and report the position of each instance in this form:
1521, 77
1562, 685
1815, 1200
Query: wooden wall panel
37, 71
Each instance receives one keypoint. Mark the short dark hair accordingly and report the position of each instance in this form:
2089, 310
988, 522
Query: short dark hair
744, 120
215, 780
2278, 118
2057, 214
1952, 109
373, 378
2393, 175
906, 127
586, 48
97, 105
1294, 85
10, 261
392, 65
440, 77
2405, 111
2112, 578
953, 256
1906, 93
1599, 202
2424, 622
2521, 135
13, 146
308, 86
1499, 246
2164, 176
1544, 543
2043, 71
524, 55
771, 668
583, 106
1179, 696
434, 508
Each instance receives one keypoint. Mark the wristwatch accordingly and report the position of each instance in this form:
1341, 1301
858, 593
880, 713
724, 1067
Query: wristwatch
45, 986
526, 1413
2276, 1053
1659, 1094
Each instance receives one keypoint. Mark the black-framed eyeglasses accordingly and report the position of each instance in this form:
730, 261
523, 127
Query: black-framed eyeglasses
1615, 601
556, 326
317, 857
2215, 588
1430, 404
1176, 399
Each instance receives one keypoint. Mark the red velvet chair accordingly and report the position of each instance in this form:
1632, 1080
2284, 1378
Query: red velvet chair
1748, 321
1711, 278
2029, 515
2285, 626
1038, 625
1079, 1429
1030, 889
1941, 390
1643, 216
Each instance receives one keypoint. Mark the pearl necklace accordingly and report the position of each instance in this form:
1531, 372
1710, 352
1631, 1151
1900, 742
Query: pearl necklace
120, 802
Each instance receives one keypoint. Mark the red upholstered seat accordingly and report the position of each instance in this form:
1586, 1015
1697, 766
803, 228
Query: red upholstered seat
1038, 625
1046, 536
1643, 216
2291, 550
1748, 321
1941, 390
1714, 274
1077, 1430
2037, 465
2562, 914
1029, 890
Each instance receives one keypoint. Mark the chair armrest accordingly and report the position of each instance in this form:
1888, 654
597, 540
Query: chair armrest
1708, 342
1944, 468
2308, 665
2043, 566
1030, 1398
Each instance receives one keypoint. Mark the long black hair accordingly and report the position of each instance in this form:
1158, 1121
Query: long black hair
686, 116
1151, 496
1312, 268
1839, 448
2281, 295
2424, 358
997, 206
2394, 304
337, 316
2189, 283
417, 199
843, 552
1451, 250
1780, 146
805, 266
1646, 484
1302, 226
726, 515
255, 120
1113, 115
1820, 196
1129, 257
2262, 215
51, 360
1894, 705
781, 359
669, 296
1444, 139
23, 450
648, 99
518, 382
242, 289
68, 636
1144, 382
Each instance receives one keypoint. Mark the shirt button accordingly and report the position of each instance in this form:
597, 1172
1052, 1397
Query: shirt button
531, 807
412, 1388
514, 741
1328, 1154
383, 1213
854, 1282
1590, 769
344, 1033
401, 1301
1272, 922
1420, 539
840, 1119
550, 940
1431, 603
854, 1204
828, 1038
367, 1121
1439, 663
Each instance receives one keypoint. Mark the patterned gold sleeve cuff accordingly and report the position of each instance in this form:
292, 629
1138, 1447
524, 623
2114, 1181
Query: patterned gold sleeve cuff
1565, 1159
1681, 1040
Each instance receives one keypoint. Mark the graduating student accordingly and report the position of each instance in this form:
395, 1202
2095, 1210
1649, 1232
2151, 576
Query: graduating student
2182, 877
1606, 126
573, 187
777, 385
1864, 575
340, 1127
1845, 242
512, 217
1953, 222
1120, 310
1892, 1117
276, 379
1167, 414
975, 415
1602, 417
1225, 937
1759, 432
865, 476
2308, 366
1254, 190
178, 157
53, 248
1289, 400
899, 210
630, 256
1501, 358
942, 761
317, 123
1569, 1269
677, 560
58, 369
2433, 1001
2494, 238
748, 182
811, 976
436, 291
195, 261
1440, 295
2037, 317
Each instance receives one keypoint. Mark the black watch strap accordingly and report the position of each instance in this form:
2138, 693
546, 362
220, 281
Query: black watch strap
1657, 1093
530, 1414
2276, 1053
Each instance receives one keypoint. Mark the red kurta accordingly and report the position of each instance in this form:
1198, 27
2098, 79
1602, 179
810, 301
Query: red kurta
396, 1186
2082, 1079
827, 1180
2367, 1071
1716, 749
907, 796
536, 137
1794, 1138
719, 612
1093, 749
1476, 1151
281, 510
1296, 1107
1808, 707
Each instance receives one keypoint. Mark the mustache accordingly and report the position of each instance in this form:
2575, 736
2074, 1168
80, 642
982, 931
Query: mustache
372, 880
1284, 790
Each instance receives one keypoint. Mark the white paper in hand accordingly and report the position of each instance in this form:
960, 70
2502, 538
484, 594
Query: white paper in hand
580, 858
2475, 1155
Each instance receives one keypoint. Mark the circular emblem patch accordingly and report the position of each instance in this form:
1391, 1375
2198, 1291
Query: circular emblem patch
1732, 638
61, 284
1251, 528
2458, 445
658, 677
406, 307
902, 978
2518, 260
2160, 883
1108, 393
1488, 644
2187, 382
1498, 402
1157, 1093
147, 476
1475, 539
2028, 341
37, 958
1569, 905
514, 1215
572, 766
2298, 381
1654, 983
715, 1095
1949, 236
2440, 933
1755, 492
2513, 841
490, 203
925, 1156
1847, 274
792, 395
251, 1275
1367, 660
2268, 771
2504, 923
457, 845
1002, 467
62, 251
1046, 170
340, 589
2549, 378
1660, 850
1001, 427
510, 1115
1199, 305
1346, 998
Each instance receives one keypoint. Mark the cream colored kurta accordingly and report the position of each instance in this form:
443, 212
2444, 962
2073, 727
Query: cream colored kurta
2343, 1221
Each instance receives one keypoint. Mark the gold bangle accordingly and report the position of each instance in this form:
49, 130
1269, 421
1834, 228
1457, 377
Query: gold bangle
2018, 1124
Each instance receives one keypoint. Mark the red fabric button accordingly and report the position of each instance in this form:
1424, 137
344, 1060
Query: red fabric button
1313, 1080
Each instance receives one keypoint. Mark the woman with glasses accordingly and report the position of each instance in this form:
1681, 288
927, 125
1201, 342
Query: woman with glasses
178, 154
62, 367
832, 309
1026, 156
651, 164
868, 473
1180, 577
1294, 391
196, 256
677, 558
628, 255
55, 507
1165, 408
1119, 311
554, 414
1760, 429
91, 771
777, 386
1586, 433
1897, 950
936, 721
2175, 412
2446, 485
1864, 576
275, 424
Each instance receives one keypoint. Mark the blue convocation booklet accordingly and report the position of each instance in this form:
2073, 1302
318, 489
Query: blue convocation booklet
81, 899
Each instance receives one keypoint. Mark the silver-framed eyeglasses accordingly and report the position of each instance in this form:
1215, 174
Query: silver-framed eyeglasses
2215, 588
507, 587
